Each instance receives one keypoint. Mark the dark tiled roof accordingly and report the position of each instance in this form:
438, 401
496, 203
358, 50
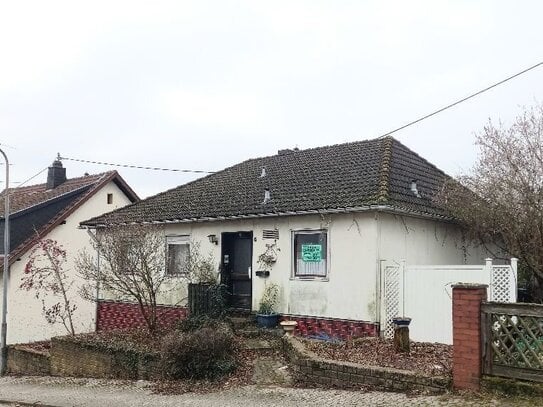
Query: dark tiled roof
350, 175
34, 209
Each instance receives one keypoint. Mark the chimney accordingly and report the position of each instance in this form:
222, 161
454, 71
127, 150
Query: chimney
56, 174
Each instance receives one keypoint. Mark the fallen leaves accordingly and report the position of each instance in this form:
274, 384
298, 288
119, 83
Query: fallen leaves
433, 359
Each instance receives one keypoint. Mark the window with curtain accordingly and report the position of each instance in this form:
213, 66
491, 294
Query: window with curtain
178, 252
310, 253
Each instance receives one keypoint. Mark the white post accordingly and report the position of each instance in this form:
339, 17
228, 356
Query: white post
490, 271
513, 285
401, 278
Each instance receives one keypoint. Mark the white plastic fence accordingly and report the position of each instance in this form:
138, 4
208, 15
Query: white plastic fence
423, 293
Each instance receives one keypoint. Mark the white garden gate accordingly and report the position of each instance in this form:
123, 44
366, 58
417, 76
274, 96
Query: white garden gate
423, 293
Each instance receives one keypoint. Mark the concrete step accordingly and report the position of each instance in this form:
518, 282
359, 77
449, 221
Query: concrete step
261, 344
241, 322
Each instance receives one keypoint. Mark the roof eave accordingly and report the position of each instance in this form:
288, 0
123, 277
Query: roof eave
364, 208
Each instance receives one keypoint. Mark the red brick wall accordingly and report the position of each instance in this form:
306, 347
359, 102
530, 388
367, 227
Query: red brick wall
466, 305
118, 315
339, 328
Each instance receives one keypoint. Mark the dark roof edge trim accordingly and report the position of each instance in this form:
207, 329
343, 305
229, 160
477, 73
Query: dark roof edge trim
378, 208
43, 204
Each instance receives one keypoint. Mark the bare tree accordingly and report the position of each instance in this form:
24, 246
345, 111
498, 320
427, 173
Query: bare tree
44, 273
131, 267
501, 199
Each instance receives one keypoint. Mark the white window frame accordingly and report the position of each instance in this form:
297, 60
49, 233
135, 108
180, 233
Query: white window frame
175, 240
293, 234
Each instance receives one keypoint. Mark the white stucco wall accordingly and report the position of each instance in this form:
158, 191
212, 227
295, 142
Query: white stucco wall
359, 244
424, 242
26, 322
352, 262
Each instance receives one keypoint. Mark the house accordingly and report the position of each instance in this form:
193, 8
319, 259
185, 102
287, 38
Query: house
329, 218
53, 210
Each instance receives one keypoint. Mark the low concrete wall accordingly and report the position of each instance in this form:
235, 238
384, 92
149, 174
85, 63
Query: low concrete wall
27, 361
70, 358
309, 368
511, 387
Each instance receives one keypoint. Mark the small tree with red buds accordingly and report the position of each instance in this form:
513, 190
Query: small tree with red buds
44, 274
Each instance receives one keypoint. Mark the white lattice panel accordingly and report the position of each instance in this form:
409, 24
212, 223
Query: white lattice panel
502, 284
392, 298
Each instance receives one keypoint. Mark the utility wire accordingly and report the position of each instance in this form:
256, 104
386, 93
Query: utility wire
32, 177
462, 100
136, 166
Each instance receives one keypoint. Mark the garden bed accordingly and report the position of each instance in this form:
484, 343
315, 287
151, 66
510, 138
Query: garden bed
334, 367
433, 359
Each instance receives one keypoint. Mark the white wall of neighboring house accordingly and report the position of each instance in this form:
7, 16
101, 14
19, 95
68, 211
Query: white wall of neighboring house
357, 245
26, 322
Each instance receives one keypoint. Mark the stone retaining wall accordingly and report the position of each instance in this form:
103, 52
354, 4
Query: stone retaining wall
26, 361
70, 358
309, 368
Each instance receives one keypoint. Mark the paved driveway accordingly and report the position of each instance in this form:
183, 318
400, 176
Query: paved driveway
64, 392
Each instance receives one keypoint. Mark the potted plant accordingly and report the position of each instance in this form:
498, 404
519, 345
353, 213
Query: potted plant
266, 316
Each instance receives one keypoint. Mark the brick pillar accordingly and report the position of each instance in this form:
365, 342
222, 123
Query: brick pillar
466, 310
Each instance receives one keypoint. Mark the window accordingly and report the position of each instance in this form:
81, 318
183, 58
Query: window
109, 199
310, 253
178, 252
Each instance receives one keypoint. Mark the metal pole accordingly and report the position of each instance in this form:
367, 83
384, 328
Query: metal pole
3, 347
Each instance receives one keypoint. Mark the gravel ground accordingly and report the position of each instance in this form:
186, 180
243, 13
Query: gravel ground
65, 392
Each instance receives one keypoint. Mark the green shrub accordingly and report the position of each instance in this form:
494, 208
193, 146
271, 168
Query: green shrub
205, 353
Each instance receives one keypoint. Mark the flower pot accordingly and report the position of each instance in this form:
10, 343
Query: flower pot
288, 327
267, 321
401, 321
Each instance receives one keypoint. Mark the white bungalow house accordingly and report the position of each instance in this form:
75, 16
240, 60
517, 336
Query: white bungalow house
53, 210
331, 218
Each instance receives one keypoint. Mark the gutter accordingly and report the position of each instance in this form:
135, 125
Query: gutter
378, 208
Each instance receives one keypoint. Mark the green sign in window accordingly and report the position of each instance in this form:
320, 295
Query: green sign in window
311, 252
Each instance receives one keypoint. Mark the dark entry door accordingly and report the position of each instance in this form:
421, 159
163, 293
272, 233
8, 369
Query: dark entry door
237, 256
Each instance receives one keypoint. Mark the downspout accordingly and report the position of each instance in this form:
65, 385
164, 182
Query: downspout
97, 288
378, 299
5, 276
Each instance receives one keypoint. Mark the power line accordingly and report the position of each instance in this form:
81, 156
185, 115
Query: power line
32, 177
136, 166
463, 99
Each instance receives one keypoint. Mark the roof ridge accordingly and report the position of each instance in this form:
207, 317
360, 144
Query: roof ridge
384, 170
98, 176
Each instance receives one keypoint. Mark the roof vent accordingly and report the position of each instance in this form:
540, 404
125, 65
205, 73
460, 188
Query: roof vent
414, 188
267, 196
263, 173
56, 174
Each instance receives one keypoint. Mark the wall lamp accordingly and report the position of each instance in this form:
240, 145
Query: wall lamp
213, 239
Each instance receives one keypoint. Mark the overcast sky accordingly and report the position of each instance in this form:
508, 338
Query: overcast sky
204, 85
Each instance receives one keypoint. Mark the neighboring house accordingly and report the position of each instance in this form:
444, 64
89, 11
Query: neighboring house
53, 211
331, 217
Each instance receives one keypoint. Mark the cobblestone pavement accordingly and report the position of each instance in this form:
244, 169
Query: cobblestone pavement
64, 392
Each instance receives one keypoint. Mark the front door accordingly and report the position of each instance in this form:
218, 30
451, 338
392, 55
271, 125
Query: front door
237, 258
